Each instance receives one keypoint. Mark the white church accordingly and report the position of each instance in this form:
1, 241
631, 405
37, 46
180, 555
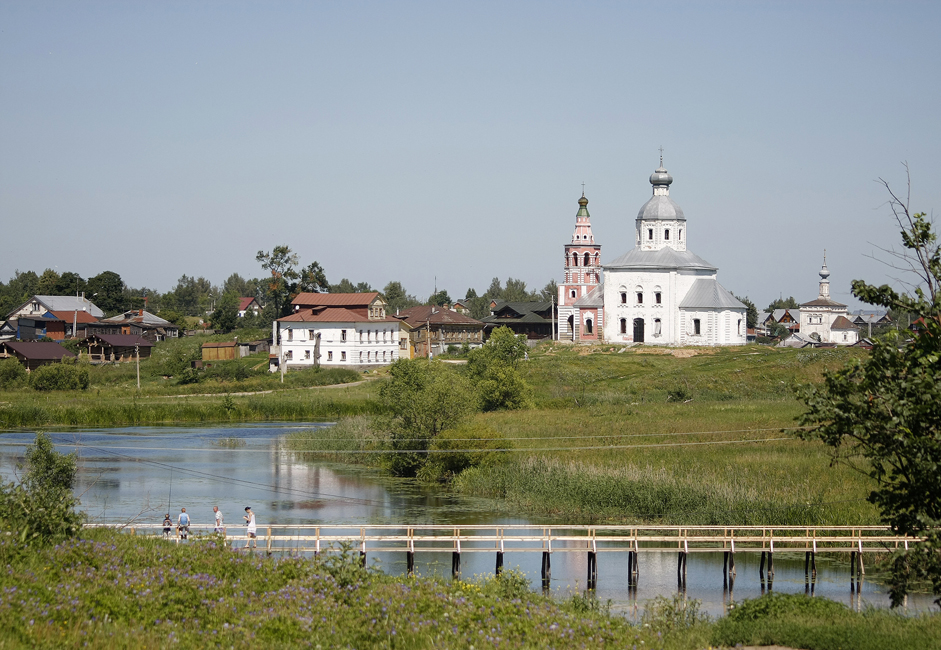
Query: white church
658, 293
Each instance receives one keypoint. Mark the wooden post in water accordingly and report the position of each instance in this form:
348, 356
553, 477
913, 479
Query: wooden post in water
771, 561
456, 564
761, 567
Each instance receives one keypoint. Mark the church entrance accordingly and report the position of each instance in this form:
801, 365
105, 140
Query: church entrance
572, 326
638, 330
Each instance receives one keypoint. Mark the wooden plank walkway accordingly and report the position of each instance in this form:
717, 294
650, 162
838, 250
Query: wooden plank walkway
633, 540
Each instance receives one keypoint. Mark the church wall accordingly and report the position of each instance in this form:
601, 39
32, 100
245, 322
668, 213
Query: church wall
716, 327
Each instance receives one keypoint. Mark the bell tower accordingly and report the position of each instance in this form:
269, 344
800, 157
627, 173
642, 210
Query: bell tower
582, 265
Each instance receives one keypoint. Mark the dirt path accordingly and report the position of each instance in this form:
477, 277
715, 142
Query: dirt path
259, 392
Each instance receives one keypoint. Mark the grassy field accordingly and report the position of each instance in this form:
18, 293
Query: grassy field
111, 590
648, 435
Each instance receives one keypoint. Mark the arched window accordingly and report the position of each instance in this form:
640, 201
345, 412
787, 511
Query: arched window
680, 238
666, 234
623, 297
623, 326
650, 234
574, 259
573, 293
587, 260
588, 326
656, 327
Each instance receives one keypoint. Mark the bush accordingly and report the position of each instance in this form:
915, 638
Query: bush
60, 376
12, 373
41, 509
472, 446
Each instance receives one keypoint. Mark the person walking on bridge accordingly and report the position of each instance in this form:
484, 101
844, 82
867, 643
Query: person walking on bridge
251, 536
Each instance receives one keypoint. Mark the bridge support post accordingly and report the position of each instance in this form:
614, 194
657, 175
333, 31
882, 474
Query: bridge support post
546, 569
456, 564
410, 562
761, 567
499, 569
592, 569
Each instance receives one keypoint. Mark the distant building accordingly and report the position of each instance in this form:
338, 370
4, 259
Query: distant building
116, 348
531, 319
434, 329
825, 317
339, 329
39, 305
137, 322
248, 305
581, 299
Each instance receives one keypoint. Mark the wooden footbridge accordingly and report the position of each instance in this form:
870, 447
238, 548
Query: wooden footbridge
294, 539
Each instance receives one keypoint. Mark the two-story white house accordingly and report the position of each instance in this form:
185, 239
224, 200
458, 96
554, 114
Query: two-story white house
339, 329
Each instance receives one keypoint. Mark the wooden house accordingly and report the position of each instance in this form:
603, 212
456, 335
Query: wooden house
104, 348
33, 354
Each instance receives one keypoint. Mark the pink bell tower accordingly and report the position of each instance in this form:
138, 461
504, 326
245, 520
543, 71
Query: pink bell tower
582, 276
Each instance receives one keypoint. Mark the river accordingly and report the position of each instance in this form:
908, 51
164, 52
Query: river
140, 473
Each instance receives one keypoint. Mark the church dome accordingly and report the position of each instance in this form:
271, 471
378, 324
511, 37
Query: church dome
660, 205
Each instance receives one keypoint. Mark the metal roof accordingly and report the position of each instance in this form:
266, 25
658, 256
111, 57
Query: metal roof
64, 303
842, 323
594, 298
418, 316
665, 258
139, 317
661, 207
335, 299
332, 315
121, 340
77, 316
37, 349
822, 302
707, 293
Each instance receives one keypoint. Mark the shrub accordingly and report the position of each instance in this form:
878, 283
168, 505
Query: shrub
12, 373
472, 446
60, 376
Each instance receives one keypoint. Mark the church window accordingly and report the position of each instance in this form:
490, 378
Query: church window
680, 238
574, 259
588, 326
738, 329
666, 234
696, 328
587, 260
329, 356
640, 297
343, 335
623, 326
656, 327
623, 297
343, 356
656, 297
573, 293
360, 357
650, 234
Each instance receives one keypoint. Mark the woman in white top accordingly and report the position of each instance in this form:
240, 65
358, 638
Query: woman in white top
250, 532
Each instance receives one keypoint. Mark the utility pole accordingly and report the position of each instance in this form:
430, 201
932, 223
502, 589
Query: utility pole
137, 351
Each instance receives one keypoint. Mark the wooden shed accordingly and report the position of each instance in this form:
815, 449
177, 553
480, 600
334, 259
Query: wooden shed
220, 351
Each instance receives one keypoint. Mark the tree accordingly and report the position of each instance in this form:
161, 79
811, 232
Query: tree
882, 415
783, 303
397, 298
439, 298
237, 285
493, 370
47, 283
751, 312
312, 279
550, 292
280, 263
343, 286
226, 315
515, 291
110, 292
423, 398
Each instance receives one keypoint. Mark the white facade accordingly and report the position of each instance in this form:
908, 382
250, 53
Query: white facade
339, 343
826, 318
660, 293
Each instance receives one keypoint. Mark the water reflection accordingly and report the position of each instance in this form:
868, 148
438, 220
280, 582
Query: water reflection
141, 473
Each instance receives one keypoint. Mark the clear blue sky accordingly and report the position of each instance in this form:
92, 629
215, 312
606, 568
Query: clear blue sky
412, 140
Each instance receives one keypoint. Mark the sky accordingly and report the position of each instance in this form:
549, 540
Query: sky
444, 144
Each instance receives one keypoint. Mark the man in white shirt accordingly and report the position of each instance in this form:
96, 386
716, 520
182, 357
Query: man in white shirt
250, 532
219, 528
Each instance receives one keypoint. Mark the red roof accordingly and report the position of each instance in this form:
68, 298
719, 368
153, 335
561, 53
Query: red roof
332, 315
37, 349
842, 323
244, 303
77, 316
335, 299
417, 316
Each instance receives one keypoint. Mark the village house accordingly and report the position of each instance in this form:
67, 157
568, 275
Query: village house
137, 322
34, 354
534, 320
434, 329
339, 329
52, 316
116, 348
248, 305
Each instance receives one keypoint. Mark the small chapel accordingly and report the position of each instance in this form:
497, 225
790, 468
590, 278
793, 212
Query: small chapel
657, 293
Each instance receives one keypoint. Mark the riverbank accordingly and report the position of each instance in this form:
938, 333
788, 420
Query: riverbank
112, 590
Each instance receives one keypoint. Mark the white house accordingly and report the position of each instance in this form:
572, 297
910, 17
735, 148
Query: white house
660, 293
341, 329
